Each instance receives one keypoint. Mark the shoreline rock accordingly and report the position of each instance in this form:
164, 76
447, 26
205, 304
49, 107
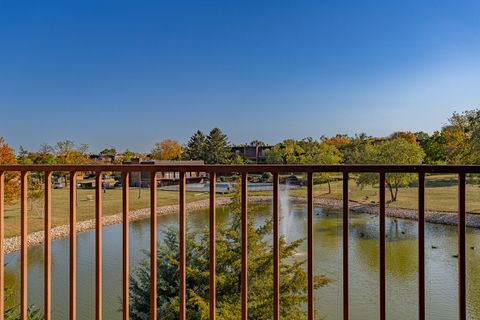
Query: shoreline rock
436, 217
447, 218
36, 238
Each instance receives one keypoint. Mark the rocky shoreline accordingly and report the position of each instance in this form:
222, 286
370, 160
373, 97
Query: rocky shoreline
36, 238
438, 217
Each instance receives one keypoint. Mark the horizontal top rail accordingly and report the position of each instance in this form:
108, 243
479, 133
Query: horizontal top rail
220, 168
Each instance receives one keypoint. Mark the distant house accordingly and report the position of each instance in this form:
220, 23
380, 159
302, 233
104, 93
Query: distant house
256, 154
104, 158
378, 141
165, 178
107, 182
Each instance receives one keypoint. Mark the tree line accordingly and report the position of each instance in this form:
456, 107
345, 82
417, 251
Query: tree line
457, 142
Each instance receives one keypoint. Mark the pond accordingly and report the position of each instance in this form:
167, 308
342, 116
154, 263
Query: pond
401, 264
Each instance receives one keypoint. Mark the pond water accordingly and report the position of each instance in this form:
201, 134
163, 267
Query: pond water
222, 187
401, 263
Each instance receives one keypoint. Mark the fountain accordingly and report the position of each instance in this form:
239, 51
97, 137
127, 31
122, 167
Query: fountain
286, 215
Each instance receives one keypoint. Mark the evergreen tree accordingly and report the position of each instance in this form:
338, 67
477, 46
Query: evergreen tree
217, 148
293, 276
196, 147
111, 151
12, 308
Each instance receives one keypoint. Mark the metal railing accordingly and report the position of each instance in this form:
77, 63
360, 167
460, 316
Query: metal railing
381, 170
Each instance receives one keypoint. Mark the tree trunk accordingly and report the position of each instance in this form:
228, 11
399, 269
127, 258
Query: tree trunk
329, 187
393, 195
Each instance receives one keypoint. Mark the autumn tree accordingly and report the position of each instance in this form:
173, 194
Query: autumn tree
12, 181
45, 155
407, 135
67, 152
462, 137
454, 144
395, 151
167, 149
35, 178
340, 141
35, 189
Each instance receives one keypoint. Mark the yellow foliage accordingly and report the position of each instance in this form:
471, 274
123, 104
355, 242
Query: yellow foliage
12, 181
167, 150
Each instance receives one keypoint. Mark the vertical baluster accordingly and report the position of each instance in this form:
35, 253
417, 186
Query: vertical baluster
153, 245
421, 246
2, 235
73, 245
311, 303
47, 241
183, 250
244, 239
276, 249
382, 247
213, 256
125, 208
462, 300
98, 246
24, 245
345, 246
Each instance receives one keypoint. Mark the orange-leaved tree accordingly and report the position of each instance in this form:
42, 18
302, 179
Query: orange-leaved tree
167, 149
12, 181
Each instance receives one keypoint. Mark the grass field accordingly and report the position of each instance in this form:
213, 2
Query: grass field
441, 195
112, 204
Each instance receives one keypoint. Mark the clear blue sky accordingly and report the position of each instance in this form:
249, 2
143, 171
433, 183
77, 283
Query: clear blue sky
127, 74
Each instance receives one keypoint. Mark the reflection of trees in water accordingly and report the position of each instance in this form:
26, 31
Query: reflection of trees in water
473, 276
35, 257
363, 230
395, 230
401, 247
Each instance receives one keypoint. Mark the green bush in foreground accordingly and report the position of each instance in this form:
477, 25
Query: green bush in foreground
260, 268
12, 308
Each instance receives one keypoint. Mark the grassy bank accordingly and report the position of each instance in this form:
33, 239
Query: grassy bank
112, 204
441, 195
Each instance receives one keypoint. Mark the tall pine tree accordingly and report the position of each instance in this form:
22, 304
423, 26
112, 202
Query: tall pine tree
293, 277
196, 147
217, 147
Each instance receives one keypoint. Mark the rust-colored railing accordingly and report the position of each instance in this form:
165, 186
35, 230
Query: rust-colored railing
382, 170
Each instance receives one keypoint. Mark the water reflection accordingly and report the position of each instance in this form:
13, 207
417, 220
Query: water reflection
401, 264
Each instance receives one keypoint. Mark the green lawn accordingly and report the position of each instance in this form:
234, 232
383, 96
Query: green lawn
112, 204
441, 195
